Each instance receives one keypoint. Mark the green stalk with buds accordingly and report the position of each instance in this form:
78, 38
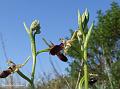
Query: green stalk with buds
83, 36
32, 32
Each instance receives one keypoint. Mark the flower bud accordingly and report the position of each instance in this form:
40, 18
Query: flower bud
85, 18
35, 27
87, 14
79, 36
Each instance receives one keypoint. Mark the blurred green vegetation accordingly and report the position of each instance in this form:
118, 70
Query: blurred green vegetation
103, 52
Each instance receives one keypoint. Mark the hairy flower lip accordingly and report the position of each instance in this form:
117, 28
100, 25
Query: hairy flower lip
56, 50
11, 69
5, 73
62, 57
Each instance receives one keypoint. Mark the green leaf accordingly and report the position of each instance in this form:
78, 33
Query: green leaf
88, 36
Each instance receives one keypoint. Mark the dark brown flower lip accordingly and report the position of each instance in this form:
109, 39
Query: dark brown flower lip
56, 49
5, 73
62, 57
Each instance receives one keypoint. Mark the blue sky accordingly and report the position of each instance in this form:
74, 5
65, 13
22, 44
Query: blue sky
56, 18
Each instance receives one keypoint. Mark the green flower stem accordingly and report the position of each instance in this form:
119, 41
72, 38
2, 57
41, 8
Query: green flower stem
85, 77
33, 48
21, 74
34, 54
85, 69
24, 76
41, 51
32, 35
81, 82
85, 55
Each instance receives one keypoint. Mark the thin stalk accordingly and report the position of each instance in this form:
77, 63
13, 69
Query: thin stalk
78, 80
108, 71
81, 82
41, 51
85, 63
85, 69
33, 48
32, 33
86, 40
24, 76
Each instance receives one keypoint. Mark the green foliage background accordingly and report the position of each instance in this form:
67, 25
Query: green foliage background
102, 53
